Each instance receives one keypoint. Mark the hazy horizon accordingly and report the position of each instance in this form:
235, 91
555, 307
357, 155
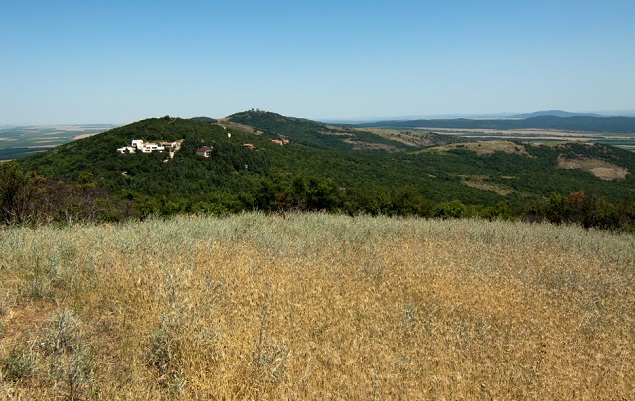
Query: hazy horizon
118, 62
502, 115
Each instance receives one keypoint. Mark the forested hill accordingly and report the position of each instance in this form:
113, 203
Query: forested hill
576, 123
96, 158
314, 134
320, 167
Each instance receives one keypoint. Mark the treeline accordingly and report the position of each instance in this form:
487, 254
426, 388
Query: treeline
27, 199
586, 209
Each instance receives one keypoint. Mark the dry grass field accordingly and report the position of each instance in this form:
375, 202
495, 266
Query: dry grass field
483, 148
522, 134
316, 306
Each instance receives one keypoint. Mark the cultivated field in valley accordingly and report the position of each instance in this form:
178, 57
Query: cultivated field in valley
316, 306
17, 142
414, 136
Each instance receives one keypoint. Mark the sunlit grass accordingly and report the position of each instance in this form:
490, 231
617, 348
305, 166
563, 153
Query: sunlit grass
314, 306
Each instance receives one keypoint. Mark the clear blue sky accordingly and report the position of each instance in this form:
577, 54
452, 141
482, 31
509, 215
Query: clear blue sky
117, 61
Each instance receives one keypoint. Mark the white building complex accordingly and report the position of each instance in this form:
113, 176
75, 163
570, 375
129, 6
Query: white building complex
149, 147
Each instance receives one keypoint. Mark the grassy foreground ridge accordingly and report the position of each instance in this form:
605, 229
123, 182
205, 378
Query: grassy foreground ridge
316, 306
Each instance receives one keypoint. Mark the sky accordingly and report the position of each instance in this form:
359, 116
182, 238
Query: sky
116, 62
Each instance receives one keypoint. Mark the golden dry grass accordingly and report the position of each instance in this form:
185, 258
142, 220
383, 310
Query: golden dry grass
599, 168
408, 137
314, 306
484, 148
480, 182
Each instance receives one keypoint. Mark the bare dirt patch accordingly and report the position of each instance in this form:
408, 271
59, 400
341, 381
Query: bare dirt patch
26, 316
82, 136
599, 168
237, 126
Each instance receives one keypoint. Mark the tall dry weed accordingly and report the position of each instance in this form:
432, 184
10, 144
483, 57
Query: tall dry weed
316, 306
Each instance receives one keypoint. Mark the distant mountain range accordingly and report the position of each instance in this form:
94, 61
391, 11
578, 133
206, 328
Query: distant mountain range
573, 123
489, 116
555, 113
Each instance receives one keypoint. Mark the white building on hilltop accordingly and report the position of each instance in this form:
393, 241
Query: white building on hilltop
149, 147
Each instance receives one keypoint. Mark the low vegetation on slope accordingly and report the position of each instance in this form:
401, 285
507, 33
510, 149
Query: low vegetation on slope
315, 306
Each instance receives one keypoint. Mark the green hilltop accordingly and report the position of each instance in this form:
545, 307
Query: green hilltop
323, 167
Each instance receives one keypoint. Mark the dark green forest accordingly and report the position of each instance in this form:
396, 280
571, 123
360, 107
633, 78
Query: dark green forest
320, 168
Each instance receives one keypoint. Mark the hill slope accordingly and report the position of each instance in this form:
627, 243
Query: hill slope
314, 134
329, 168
